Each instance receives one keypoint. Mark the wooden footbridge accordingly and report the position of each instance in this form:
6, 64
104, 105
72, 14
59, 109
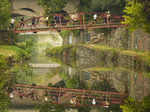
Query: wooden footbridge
68, 97
61, 21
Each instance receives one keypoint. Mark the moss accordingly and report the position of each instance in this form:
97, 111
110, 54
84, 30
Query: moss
99, 69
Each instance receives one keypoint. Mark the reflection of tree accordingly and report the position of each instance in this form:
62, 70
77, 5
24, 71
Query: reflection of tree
4, 102
47, 107
136, 106
84, 109
75, 82
102, 86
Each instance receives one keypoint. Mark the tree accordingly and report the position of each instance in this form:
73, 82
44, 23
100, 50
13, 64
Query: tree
52, 6
115, 6
84, 5
137, 15
4, 14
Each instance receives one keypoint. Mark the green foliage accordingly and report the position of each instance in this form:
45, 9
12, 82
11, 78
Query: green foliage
26, 42
3, 63
115, 6
85, 5
73, 82
4, 14
13, 51
52, 6
4, 102
84, 109
65, 33
23, 73
76, 33
136, 17
57, 50
102, 86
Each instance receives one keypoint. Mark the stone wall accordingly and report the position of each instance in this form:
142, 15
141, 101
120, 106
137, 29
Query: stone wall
122, 38
141, 40
119, 39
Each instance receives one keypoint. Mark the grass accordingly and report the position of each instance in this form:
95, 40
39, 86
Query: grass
12, 51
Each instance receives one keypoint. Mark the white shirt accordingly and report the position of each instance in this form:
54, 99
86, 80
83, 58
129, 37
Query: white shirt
93, 102
11, 95
95, 16
46, 18
12, 21
45, 98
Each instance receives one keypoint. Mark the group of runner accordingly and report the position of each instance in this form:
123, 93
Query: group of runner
57, 19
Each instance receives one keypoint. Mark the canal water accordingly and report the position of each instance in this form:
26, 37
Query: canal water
85, 70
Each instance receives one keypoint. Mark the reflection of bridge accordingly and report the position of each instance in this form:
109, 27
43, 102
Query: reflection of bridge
68, 22
33, 65
69, 97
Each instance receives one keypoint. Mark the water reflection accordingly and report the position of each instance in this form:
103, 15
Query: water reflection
87, 69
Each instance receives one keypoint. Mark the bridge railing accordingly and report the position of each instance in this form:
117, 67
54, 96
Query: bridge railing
64, 20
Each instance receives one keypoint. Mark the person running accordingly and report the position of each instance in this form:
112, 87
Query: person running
46, 20
95, 17
22, 22
57, 19
33, 21
108, 17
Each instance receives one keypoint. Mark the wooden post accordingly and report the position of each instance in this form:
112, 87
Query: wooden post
139, 44
80, 19
59, 102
